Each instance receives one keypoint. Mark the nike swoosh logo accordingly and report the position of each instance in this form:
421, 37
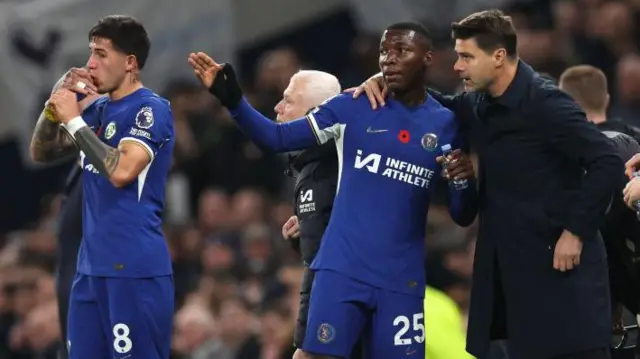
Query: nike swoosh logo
371, 130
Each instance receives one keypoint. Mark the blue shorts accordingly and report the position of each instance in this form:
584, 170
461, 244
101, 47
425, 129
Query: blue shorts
120, 318
342, 310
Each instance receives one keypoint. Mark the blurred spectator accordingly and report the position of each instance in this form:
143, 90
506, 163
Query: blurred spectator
238, 328
276, 332
196, 336
274, 70
628, 105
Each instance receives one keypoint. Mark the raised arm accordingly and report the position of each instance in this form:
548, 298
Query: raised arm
49, 141
318, 127
276, 137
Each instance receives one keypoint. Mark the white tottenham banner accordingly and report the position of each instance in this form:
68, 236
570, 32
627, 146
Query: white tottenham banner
41, 39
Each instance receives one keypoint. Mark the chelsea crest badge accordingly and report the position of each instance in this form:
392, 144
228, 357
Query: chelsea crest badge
429, 142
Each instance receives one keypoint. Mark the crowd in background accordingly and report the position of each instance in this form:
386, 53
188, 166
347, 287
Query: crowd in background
237, 280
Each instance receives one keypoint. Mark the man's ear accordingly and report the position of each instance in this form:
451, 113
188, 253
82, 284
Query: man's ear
500, 57
428, 58
132, 63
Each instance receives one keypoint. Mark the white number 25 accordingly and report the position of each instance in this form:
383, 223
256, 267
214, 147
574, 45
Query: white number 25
404, 324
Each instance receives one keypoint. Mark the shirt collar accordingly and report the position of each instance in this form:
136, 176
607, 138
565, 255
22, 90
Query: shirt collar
517, 88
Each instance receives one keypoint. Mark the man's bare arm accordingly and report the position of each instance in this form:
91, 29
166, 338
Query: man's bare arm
121, 165
49, 141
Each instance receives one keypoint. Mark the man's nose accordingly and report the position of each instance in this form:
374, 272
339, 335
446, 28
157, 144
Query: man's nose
91, 63
390, 58
457, 67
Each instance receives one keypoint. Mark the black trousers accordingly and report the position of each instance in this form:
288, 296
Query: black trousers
69, 239
64, 280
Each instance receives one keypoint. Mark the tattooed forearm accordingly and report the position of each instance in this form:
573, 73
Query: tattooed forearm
50, 142
103, 157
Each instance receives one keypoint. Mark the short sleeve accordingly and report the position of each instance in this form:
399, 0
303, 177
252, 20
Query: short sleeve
327, 119
151, 127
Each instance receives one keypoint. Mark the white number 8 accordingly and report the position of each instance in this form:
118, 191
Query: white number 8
122, 343
403, 322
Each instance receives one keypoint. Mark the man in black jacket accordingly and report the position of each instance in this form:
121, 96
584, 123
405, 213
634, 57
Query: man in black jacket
316, 172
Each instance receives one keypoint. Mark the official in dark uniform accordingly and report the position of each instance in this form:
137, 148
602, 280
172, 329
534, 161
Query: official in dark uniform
316, 173
546, 179
69, 238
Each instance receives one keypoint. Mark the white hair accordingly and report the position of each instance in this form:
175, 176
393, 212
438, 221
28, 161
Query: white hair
318, 86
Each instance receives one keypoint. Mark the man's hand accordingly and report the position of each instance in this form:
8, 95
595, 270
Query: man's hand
567, 252
78, 80
301, 354
63, 105
291, 229
375, 89
219, 79
459, 167
204, 67
631, 192
632, 165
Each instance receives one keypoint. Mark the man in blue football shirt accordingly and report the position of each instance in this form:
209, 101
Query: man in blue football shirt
369, 278
122, 297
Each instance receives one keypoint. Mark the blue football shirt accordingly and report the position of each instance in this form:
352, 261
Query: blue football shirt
388, 169
122, 227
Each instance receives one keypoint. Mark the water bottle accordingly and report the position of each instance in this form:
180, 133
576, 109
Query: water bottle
458, 184
636, 204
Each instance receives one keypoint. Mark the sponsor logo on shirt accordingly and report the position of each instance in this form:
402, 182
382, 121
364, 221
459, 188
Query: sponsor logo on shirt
307, 204
395, 169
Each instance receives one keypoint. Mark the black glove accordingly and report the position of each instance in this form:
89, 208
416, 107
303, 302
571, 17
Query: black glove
226, 88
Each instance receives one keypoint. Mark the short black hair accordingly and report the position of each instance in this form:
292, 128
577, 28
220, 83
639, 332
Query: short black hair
126, 34
491, 29
414, 26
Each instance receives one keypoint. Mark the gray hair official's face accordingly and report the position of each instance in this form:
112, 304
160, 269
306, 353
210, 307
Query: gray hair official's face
476, 68
293, 104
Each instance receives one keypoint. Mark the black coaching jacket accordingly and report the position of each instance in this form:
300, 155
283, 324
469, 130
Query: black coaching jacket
534, 145
316, 172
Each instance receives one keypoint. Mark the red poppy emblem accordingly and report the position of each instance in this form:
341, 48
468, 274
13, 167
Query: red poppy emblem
403, 136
